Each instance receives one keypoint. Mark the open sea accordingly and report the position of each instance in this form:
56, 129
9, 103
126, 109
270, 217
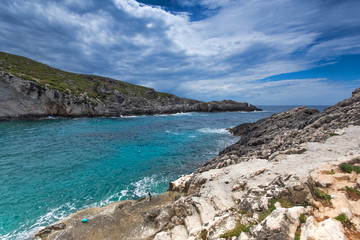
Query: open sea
52, 167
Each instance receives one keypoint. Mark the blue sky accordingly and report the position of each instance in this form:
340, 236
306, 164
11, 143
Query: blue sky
263, 52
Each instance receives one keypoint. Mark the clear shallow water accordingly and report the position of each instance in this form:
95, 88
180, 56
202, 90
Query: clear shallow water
53, 167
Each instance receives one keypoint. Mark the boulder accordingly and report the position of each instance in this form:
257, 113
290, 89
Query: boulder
329, 229
280, 224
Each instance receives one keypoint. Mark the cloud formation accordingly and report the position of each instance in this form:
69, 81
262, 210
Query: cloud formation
229, 53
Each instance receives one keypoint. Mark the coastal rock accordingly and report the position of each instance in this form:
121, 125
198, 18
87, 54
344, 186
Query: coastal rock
280, 224
47, 230
180, 183
284, 133
328, 229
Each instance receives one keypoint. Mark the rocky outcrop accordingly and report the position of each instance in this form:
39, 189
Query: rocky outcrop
23, 98
298, 190
284, 133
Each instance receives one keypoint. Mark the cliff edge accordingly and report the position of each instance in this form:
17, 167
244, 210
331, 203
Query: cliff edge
29, 89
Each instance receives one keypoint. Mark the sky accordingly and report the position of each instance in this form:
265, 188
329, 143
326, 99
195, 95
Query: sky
265, 52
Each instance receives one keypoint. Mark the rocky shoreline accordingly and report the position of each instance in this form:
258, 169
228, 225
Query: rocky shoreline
294, 175
25, 99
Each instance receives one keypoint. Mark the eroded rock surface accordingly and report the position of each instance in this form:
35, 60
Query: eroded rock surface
284, 133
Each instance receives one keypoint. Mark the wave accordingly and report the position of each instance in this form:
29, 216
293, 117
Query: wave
113, 198
131, 116
57, 214
182, 114
144, 186
173, 114
170, 132
214, 130
50, 217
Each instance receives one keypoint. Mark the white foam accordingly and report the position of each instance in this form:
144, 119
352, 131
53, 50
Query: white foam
49, 218
131, 116
143, 186
113, 198
182, 114
214, 130
175, 114
170, 132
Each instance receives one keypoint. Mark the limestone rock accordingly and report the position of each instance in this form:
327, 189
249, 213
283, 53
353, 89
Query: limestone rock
285, 133
239, 185
329, 229
280, 224
162, 236
179, 184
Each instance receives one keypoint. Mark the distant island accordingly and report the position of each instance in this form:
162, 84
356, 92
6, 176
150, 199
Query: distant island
29, 89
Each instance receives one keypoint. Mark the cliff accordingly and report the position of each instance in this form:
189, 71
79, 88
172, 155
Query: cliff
29, 89
294, 175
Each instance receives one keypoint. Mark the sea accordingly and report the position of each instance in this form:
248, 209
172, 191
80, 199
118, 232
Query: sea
52, 167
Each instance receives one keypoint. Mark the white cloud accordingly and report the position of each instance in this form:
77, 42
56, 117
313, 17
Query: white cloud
240, 44
284, 92
334, 47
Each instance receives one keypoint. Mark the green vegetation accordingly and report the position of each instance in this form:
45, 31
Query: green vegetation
302, 218
322, 196
237, 230
239, 227
297, 234
342, 218
352, 193
347, 224
269, 211
346, 167
349, 168
72, 83
334, 134
356, 169
285, 203
330, 172
203, 234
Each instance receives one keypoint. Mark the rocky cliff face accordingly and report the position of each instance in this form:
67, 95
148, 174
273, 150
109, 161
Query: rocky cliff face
29, 89
284, 179
22, 98
284, 133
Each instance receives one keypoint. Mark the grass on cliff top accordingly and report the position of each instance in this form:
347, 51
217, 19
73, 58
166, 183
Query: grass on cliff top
68, 82
322, 196
345, 167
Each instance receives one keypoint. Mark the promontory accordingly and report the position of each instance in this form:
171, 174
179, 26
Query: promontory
29, 89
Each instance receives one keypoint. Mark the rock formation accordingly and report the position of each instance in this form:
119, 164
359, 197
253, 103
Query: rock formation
294, 175
31, 90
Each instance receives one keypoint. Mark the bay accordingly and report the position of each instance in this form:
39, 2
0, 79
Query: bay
52, 167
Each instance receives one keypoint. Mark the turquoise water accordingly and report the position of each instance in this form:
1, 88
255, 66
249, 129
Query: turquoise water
53, 167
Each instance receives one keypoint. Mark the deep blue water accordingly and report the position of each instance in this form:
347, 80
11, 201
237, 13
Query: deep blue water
53, 167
